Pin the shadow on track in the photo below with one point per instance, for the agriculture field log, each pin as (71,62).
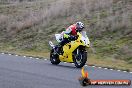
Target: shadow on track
(64,66)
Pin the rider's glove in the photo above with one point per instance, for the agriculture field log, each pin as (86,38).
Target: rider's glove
(66,36)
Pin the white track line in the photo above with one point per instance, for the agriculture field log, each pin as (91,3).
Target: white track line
(93,66)
(9,54)
(105,68)
(24,56)
(111,69)
(2,53)
(16,55)
(72,63)
(31,57)
(37,58)
(130,72)
(85,65)
(99,67)
(124,71)
(45,59)
(118,70)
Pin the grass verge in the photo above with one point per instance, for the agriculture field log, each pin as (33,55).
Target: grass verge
(109,63)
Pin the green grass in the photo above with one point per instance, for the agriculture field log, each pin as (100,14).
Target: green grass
(109,62)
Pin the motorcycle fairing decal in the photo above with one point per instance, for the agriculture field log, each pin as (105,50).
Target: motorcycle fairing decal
(69,46)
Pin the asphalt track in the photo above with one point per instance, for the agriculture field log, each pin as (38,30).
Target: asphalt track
(25,72)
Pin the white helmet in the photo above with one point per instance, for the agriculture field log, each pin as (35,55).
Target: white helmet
(79,26)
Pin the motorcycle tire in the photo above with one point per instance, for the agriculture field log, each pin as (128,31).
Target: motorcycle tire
(54,58)
(83,60)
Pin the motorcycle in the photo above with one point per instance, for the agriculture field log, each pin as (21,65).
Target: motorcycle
(72,52)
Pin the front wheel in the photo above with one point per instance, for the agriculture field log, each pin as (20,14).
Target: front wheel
(80,59)
(54,58)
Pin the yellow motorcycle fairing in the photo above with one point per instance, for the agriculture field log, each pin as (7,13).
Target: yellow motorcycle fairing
(69,48)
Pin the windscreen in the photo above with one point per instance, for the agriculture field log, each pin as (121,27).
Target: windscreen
(84,34)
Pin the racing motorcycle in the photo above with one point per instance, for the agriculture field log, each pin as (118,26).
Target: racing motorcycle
(72,52)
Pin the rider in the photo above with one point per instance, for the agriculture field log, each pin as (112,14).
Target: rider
(70,33)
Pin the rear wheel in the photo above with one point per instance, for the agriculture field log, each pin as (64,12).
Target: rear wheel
(80,58)
(54,58)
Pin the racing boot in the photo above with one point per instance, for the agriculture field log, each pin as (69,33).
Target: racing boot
(58,48)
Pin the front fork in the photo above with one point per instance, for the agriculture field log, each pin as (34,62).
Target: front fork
(77,51)
(78,54)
